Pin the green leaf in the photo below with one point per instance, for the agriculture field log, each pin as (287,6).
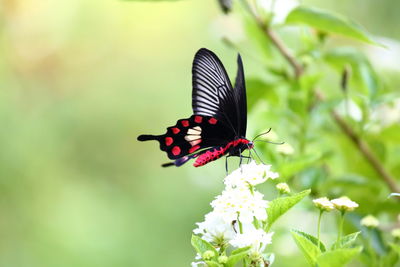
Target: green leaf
(309,249)
(235,258)
(395,247)
(391,258)
(202,246)
(279,206)
(240,250)
(327,21)
(339,257)
(312,238)
(346,241)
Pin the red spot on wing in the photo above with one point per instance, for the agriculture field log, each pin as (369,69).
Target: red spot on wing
(193,149)
(213,121)
(176,150)
(198,119)
(175,130)
(168,141)
(185,123)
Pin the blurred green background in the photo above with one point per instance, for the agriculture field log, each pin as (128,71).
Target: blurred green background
(80,80)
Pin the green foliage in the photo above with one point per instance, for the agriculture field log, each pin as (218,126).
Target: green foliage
(279,206)
(339,255)
(236,256)
(201,246)
(328,22)
(363,75)
(307,245)
(346,241)
(395,247)
(338,258)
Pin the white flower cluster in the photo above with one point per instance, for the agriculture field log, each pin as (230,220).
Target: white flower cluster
(342,204)
(239,213)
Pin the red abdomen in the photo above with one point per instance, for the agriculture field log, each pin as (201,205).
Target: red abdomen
(215,153)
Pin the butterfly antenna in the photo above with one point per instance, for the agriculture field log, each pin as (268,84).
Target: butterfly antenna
(261,134)
(270,142)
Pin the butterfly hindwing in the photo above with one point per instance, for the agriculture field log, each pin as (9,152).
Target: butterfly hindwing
(190,135)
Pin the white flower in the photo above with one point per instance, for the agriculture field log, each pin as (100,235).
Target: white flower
(242,202)
(256,238)
(250,174)
(323,204)
(344,204)
(215,228)
(370,221)
(236,212)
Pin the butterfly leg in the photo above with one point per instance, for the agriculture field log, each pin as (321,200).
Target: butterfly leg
(226,163)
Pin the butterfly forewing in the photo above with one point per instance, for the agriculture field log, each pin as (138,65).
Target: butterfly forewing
(212,90)
(190,135)
(240,96)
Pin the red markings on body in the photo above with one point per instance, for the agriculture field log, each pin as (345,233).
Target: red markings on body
(193,149)
(185,123)
(175,130)
(168,141)
(198,119)
(176,150)
(213,121)
(212,155)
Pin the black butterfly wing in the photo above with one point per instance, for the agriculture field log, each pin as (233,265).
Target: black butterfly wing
(240,95)
(214,96)
(191,135)
(220,114)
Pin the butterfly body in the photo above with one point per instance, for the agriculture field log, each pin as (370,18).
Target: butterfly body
(218,125)
(233,148)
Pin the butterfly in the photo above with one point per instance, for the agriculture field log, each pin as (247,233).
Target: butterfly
(218,124)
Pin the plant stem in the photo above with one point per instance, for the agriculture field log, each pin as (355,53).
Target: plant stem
(319,228)
(340,232)
(298,68)
(363,148)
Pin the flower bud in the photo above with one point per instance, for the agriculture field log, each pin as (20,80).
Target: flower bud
(223,259)
(283,188)
(370,221)
(323,204)
(344,204)
(208,254)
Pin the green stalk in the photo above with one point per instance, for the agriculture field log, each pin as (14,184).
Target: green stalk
(341,225)
(319,228)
